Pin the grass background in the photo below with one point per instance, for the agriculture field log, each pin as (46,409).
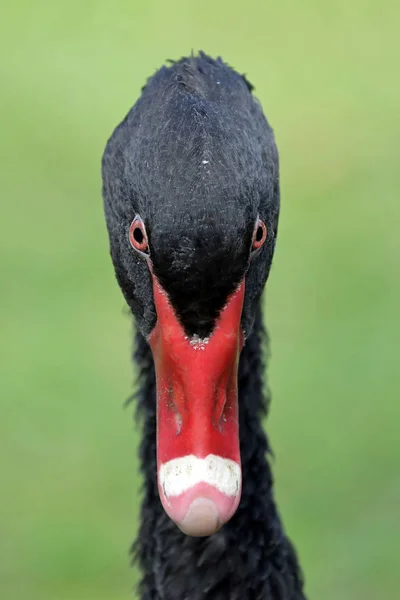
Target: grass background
(327,75)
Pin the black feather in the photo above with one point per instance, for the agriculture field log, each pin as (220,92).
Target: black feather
(196,158)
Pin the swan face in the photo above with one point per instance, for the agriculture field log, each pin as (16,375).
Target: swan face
(191,195)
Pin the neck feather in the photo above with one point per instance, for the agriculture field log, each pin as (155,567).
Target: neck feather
(250,558)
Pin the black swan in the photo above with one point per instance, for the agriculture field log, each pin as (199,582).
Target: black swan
(191,196)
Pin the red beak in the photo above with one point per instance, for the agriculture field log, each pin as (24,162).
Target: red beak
(198,456)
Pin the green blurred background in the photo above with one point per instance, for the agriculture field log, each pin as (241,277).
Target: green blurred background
(328,77)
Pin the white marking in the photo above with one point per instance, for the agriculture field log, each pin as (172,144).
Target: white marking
(197,342)
(205,162)
(180,474)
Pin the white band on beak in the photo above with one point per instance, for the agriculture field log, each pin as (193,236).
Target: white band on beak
(180,474)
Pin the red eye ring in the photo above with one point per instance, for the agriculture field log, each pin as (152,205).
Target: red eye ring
(259,235)
(138,235)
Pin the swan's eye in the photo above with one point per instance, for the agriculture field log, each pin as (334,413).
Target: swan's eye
(259,235)
(138,236)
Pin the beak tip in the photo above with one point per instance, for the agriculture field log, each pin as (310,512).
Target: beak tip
(202,518)
(200,494)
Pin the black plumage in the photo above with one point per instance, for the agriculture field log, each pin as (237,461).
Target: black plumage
(196,158)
